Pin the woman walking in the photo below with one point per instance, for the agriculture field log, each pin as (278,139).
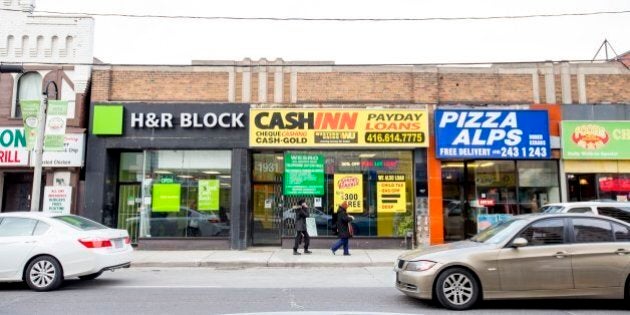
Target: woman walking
(343,221)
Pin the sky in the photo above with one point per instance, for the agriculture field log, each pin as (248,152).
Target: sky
(123,40)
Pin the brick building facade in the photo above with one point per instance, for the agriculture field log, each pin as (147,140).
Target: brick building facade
(52,49)
(313,85)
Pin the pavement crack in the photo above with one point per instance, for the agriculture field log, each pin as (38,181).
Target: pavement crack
(367,253)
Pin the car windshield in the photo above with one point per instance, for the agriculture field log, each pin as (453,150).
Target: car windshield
(80,223)
(551,209)
(499,232)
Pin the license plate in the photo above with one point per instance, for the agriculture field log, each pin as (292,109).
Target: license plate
(118,243)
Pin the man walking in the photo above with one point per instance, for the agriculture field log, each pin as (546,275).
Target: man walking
(301,214)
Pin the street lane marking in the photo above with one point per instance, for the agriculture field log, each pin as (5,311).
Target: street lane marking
(164,286)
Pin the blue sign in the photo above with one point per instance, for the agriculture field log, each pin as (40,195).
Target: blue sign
(492,134)
(485,221)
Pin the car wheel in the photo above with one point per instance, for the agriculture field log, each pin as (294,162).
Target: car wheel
(43,274)
(91,276)
(457,289)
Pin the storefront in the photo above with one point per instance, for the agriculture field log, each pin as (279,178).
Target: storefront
(375,159)
(596,157)
(494,163)
(61,174)
(174,175)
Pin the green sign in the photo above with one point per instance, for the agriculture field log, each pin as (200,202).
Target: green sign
(56,117)
(208,194)
(167,179)
(30,112)
(166,197)
(107,120)
(596,140)
(303,174)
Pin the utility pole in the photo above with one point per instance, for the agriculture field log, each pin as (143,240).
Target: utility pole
(39,147)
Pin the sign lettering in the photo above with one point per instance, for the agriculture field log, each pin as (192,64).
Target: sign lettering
(500,134)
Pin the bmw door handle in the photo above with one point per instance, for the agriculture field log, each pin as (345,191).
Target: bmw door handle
(30,242)
(561,255)
(621,251)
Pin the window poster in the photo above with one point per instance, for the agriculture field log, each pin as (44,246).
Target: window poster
(208,194)
(349,188)
(166,197)
(390,193)
(303,174)
(57,199)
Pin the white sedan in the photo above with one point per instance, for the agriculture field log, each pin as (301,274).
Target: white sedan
(43,249)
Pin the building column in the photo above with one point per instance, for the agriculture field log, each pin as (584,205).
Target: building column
(550,84)
(278,82)
(246,93)
(262,81)
(240,204)
(565,79)
(581,86)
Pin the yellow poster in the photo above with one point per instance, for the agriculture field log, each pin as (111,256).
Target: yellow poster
(349,188)
(391,197)
(338,128)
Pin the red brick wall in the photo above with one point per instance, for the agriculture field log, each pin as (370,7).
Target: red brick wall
(155,84)
(608,88)
(168,86)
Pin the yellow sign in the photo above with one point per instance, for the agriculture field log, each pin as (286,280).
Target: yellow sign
(349,188)
(338,128)
(390,193)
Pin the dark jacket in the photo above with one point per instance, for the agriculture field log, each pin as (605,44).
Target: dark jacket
(300,218)
(342,223)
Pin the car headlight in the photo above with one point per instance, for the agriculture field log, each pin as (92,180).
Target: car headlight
(420,265)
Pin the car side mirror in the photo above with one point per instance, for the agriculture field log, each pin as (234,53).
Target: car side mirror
(519,242)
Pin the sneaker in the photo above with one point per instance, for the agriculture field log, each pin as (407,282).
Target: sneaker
(307,252)
(333,251)
(296,253)
(346,254)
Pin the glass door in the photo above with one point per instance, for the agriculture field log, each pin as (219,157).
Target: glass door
(129,202)
(267,214)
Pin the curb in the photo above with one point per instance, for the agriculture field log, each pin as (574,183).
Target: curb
(210,264)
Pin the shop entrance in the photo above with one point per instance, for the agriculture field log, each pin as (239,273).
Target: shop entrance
(129,203)
(267,214)
(16,192)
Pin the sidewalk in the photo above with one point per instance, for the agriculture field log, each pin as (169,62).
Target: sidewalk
(265,257)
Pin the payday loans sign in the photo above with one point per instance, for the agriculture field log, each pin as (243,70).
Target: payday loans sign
(338,128)
(492,133)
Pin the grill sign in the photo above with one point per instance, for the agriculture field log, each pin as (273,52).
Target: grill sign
(597,140)
(590,137)
(501,134)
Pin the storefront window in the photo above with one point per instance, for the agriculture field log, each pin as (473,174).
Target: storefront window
(176,193)
(538,185)
(495,183)
(602,187)
(383,205)
(614,187)
(488,189)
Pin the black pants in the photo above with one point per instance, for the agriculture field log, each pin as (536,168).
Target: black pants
(298,240)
